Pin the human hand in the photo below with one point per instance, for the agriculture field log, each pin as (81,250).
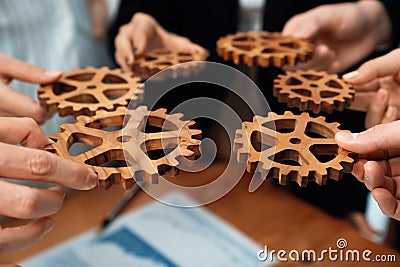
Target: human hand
(343,34)
(144,33)
(377,83)
(378,166)
(377,107)
(14,104)
(28,162)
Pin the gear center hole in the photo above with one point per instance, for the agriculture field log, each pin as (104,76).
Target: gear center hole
(295,140)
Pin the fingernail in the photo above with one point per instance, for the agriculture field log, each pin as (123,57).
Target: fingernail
(390,112)
(347,136)
(91,180)
(49,226)
(51,141)
(350,75)
(53,73)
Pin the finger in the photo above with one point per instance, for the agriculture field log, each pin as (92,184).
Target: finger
(25,131)
(373,85)
(322,59)
(302,26)
(33,164)
(24,107)
(391,114)
(377,108)
(375,177)
(387,202)
(386,65)
(23,202)
(358,170)
(362,100)
(17,238)
(377,138)
(124,46)
(199,49)
(20,70)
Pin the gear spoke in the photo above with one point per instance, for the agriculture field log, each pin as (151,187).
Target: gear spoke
(297,157)
(318,92)
(159,59)
(107,158)
(92,92)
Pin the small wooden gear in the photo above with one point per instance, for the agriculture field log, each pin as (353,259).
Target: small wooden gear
(313,90)
(84,91)
(104,142)
(263,49)
(292,148)
(160,59)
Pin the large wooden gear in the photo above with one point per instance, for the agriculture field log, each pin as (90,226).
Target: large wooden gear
(160,59)
(301,148)
(313,90)
(263,49)
(107,135)
(84,91)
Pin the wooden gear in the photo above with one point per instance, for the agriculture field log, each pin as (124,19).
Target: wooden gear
(84,91)
(301,148)
(157,60)
(313,90)
(105,135)
(263,48)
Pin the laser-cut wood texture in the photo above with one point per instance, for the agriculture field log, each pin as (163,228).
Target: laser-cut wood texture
(263,49)
(107,141)
(157,60)
(313,90)
(292,148)
(84,91)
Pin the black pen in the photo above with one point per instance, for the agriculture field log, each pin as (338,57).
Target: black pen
(120,206)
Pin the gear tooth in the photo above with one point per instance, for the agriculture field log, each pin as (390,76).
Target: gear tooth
(230,52)
(303,101)
(315,171)
(66,107)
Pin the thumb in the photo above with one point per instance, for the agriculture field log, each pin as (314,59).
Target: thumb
(377,138)
(16,69)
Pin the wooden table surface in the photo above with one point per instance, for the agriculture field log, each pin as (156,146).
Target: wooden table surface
(270,216)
